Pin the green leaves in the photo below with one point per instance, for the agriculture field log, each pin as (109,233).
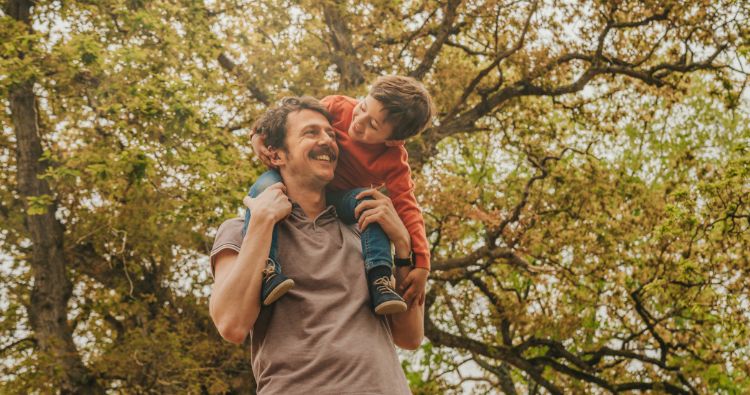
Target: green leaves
(615,215)
(39,204)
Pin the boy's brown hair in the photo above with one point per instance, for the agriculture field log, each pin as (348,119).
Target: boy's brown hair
(407,102)
(272,125)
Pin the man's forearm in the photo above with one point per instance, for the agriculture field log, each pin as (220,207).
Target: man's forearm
(407,327)
(235,299)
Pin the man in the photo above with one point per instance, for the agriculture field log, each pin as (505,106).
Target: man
(322,337)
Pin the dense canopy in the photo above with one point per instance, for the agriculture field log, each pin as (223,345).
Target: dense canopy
(585,184)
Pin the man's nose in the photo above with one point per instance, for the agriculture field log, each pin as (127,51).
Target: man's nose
(327,139)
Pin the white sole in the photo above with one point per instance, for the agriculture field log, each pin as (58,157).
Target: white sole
(390,307)
(279,291)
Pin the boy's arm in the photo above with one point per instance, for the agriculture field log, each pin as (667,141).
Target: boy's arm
(235,296)
(401,191)
(414,285)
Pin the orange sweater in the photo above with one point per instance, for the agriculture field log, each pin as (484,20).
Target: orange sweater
(364,165)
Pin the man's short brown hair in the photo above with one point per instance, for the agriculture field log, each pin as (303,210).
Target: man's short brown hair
(272,125)
(407,102)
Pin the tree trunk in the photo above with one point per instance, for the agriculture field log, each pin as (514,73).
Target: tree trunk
(51,290)
(344,55)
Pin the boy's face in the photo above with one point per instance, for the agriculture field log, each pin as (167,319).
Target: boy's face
(368,122)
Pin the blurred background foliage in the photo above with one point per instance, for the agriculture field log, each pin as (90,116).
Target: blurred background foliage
(586,185)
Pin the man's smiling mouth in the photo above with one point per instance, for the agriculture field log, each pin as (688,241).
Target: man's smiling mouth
(325,155)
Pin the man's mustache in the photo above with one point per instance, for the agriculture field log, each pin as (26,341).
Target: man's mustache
(325,150)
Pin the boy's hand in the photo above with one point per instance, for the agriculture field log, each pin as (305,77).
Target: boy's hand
(272,203)
(258,142)
(413,286)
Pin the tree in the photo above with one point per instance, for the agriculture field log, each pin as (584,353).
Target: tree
(133,151)
(585,184)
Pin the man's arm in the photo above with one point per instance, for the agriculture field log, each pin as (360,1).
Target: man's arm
(408,327)
(235,298)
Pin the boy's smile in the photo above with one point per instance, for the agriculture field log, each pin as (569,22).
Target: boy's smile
(368,122)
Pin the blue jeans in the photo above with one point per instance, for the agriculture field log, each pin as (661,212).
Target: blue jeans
(376,247)
(264,181)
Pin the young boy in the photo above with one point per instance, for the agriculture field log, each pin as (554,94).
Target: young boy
(370,134)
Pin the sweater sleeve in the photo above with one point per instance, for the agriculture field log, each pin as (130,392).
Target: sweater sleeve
(328,101)
(401,191)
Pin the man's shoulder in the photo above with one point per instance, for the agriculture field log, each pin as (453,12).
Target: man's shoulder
(231,224)
(229,235)
(353,228)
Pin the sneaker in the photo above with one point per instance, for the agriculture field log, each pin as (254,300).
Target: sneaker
(384,298)
(274,285)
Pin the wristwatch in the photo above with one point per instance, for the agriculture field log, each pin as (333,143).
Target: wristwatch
(404,262)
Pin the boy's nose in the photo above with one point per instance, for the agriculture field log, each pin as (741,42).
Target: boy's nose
(358,124)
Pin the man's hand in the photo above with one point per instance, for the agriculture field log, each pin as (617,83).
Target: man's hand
(412,287)
(258,142)
(272,203)
(381,210)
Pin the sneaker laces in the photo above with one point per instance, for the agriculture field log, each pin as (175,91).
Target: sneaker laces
(269,271)
(384,285)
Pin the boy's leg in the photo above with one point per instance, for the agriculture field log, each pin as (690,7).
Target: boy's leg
(275,284)
(376,249)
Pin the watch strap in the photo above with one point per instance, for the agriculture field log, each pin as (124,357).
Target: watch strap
(404,262)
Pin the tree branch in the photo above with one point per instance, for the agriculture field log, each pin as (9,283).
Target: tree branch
(345,57)
(598,64)
(249,81)
(498,58)
(497,352)
(445,31)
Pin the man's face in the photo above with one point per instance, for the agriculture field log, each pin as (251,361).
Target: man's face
(368,122)
(311,149)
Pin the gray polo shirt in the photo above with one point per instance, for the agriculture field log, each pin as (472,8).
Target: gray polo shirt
(321,337)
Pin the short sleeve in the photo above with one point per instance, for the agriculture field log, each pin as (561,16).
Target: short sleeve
(229,236)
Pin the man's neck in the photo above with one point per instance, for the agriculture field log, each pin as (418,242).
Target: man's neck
(312,199)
